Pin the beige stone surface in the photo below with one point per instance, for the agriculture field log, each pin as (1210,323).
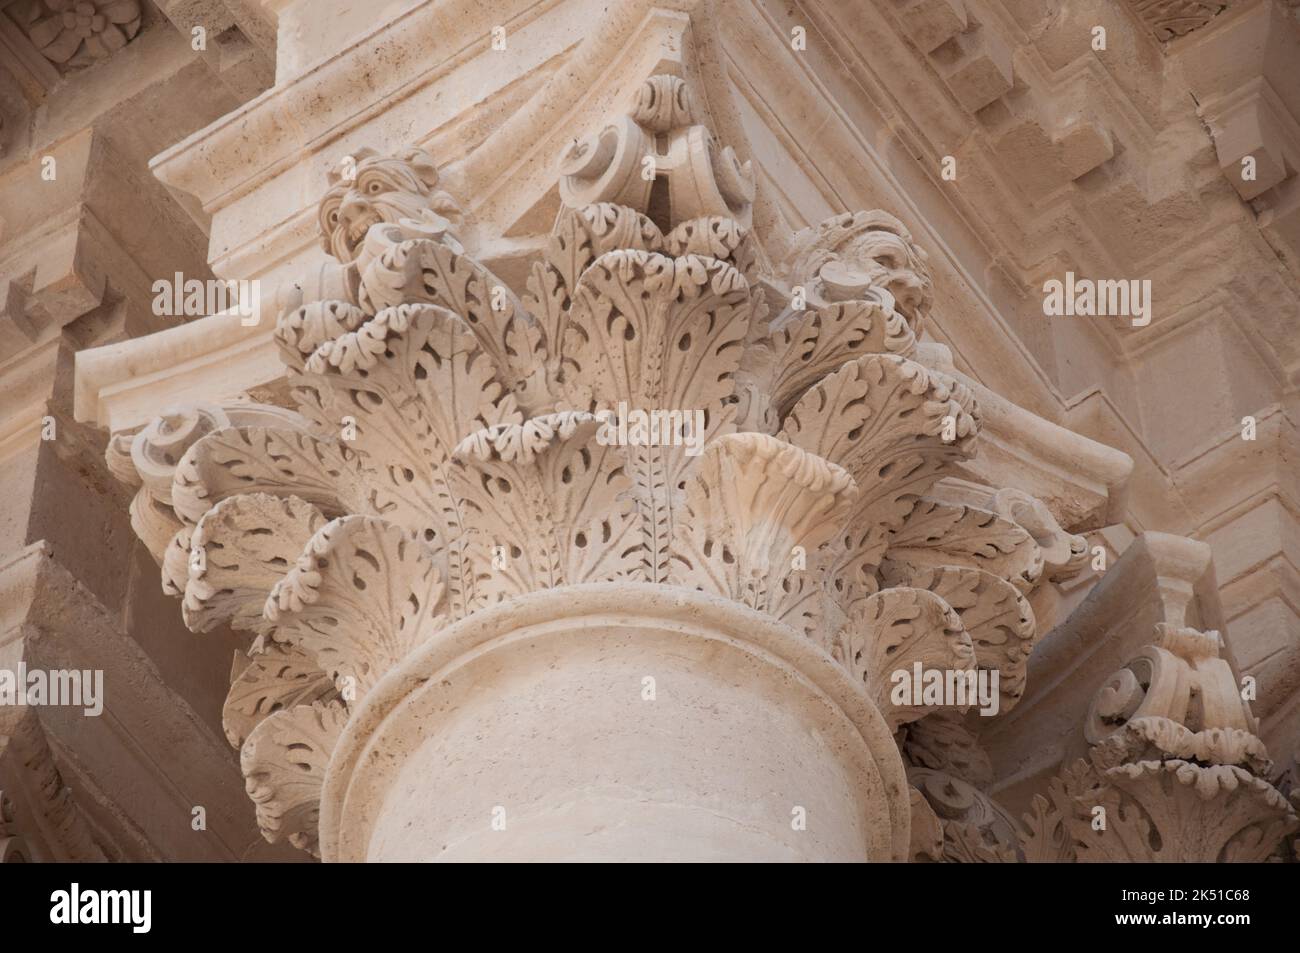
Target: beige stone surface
(747,726)
(472,614)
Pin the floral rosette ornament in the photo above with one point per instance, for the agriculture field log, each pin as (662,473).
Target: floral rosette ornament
(75,33)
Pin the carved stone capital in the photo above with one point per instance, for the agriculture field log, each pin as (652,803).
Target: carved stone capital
(658,448)
(1175,773)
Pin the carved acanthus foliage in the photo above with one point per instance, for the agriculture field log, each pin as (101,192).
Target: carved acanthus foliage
(657,334)
(284,761)
(940,534)
(276,676)
(237,552)
(997,617)
(814,342)
(579,237)
(242,460)
(943,741)
(1176,772)
(894,426)
(758,512)
(975,830)
(553,475)
(147,460)
(635,414)
(898,629)
(1172,811)
(363,593)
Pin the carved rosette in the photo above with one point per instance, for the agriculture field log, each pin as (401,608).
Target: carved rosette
(454,448)
(76,33)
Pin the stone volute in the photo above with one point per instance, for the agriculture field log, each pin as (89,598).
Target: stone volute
(615,566)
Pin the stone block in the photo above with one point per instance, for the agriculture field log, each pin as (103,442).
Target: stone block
(1084,146)
(930,23)
(976,67)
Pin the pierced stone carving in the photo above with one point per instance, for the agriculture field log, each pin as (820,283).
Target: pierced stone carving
(553,475)
(650,332)
(939,534)
(279,676)
(238,551)
(899,628)
(883,418)
(362,594)
(459,449)
(1177,811)
(997,617)
(148,458)
(758,510)
(815,342)
(284,761)
(579,237)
